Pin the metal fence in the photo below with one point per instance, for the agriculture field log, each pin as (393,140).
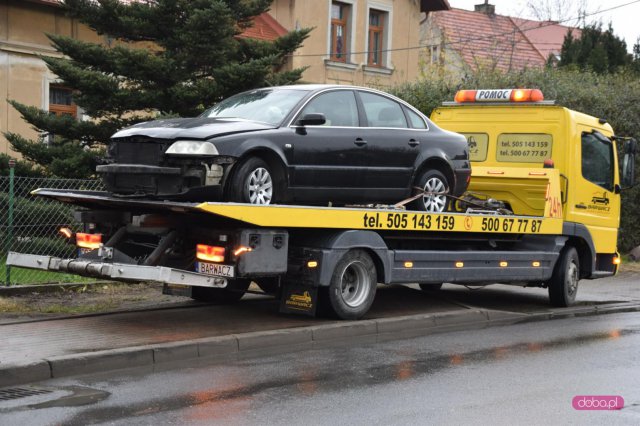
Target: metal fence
(30,224)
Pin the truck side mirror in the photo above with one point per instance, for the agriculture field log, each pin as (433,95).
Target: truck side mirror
(629,163)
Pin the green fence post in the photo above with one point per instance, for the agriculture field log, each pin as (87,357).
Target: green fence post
(12,165)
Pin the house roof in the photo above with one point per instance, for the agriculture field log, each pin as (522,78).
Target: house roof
(545,36)
(495,40)
(265,27)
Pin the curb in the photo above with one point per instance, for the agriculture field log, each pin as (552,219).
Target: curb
(265,343)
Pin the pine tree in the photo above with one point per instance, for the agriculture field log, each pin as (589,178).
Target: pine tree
(168,57)
(596,50)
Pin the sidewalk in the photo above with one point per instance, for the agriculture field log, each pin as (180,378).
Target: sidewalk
(34,351)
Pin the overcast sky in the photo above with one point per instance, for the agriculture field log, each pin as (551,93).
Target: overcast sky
(625,19)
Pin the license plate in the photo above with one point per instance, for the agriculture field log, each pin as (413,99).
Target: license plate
(215,269)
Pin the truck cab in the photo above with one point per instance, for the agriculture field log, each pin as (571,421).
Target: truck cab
(518,129)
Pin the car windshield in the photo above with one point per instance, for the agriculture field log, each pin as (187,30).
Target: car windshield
(265,105)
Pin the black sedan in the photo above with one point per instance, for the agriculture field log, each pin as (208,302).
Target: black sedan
(310,144)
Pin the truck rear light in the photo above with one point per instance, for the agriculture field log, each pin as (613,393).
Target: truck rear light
(210,253)
(241,250)
(88,241)
(66,232)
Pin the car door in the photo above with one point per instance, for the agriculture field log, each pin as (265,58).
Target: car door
(392,144)
(326,161)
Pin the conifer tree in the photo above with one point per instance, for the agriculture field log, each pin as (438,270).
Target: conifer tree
(168,57)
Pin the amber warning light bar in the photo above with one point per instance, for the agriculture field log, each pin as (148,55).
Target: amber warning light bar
(499,95)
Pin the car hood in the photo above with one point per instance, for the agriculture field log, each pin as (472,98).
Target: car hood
(192,128)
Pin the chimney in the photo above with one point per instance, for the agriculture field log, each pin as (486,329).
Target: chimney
(486,8)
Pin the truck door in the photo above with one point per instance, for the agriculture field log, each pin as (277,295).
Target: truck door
(596,198)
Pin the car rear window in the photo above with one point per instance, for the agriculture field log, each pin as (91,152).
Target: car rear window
(382,112)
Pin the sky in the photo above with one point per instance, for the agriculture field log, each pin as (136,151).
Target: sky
(624,19)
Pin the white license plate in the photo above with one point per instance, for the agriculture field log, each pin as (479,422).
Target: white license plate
(215,269)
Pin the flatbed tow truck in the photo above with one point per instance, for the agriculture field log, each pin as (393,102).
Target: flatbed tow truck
(332,258)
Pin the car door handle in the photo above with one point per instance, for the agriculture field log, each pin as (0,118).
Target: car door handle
(413,142)
(360,142)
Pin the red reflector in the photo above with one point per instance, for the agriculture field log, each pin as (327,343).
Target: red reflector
(90,241)
(548,163)
(210,253)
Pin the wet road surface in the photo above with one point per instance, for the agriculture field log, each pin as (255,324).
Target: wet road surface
(519,374)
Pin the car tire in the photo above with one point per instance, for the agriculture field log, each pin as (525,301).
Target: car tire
(233,292)
(253,183)
(432,181)
(352,288)
(429,288)
(563,286)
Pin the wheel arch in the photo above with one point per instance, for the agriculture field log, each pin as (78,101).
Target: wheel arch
(580,239)
(440,164)
(274,160)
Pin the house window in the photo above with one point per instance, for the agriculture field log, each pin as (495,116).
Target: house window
(339,31)
(61,101)
(434,55)
(376,38)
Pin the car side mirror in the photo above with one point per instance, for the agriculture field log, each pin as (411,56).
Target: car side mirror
(629,163)
(312,119)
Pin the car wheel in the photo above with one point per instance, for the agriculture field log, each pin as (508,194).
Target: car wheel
(353,286)
(435,184)
(233,292)
(253,183)
(563,286)
(428,288)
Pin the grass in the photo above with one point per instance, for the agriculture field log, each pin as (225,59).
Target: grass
(22,276)
(11,306)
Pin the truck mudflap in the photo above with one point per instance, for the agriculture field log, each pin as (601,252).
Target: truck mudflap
(115,271)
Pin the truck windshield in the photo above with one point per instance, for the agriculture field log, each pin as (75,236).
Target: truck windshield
(264,105)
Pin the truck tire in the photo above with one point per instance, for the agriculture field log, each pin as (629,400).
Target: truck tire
(232,293)
(427,288)
(253,183)
(353,286)
(432,181)
(563,285)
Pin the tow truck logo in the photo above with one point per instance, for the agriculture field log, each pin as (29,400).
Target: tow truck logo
(600,202)
(299,301)
(473,145)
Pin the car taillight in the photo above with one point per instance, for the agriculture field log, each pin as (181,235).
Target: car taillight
(210,253)
(88,241)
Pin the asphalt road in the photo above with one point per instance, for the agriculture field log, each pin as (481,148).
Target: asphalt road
(520,374)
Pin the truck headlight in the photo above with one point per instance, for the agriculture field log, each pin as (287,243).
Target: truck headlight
(192,148)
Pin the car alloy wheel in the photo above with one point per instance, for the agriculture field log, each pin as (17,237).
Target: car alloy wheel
(432,201)
(260,186)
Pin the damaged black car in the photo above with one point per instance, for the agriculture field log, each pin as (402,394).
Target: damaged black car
(305,144)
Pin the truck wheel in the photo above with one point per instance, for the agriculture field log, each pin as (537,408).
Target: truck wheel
(233,292)
(253,183)
(563,286)
(432,181)
(353,286)
(427,288)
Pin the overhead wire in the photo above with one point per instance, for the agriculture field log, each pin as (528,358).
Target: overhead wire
(543,24)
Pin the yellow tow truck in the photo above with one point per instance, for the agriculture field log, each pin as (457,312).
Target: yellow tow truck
(542,210)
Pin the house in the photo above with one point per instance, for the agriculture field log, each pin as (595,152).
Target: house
(353,42)
(361,42)
(457,41)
